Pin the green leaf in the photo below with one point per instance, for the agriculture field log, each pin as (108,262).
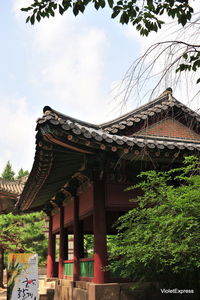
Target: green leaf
(138,27)
(51,12)
(115,14)
(183,20)
(102,3)
(27,19)
(198,80)
(81,6)
(38,17)
(32,19)
(111,2)
(124,18)
(75,9)
(185,55)
(61,9)
(96,5)
(26,9)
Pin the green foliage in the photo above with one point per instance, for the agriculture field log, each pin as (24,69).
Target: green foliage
(22,173)
(24,232)
(8,173)
(146,16)
(160,239)
(89,245)
(191,62)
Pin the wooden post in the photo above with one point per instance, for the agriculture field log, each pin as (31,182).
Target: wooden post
(99,227)
(1,266)
(51,251)
(61,244)
(81,240)
(76,273)
(65,255)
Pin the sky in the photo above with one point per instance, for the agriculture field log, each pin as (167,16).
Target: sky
(69,63)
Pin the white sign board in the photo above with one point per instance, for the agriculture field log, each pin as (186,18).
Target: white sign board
(22,276)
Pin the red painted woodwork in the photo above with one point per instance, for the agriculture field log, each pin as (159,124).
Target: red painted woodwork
(65,241)
(86,203)
(87,259)
(61,244)
(88,224)
(69,207)
(81,240)
(56,222)
(76,239)
(99,225)
(68,216)
(51,251)
(117,197)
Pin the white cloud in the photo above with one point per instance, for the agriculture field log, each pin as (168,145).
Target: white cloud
(69,63)
(71,58)
(17,133)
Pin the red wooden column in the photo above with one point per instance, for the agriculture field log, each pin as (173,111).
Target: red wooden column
(65,256)
(81,240)
(99,227)
(76,230)
(61,244)
(51,251)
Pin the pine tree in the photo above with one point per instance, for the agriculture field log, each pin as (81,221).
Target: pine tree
(23,233)
(8,173)
(22,173)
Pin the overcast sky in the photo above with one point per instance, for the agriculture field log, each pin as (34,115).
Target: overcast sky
(68,63)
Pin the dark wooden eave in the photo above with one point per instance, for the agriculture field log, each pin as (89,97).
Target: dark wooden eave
(53,167)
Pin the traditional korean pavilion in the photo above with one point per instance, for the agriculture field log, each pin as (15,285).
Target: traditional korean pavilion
(80,172)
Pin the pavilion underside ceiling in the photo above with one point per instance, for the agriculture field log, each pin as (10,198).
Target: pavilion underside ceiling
(51,171)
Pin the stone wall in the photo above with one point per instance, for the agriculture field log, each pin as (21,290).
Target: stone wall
(80,290)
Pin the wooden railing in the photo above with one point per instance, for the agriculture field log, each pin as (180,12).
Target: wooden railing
(86,267)
(68,267)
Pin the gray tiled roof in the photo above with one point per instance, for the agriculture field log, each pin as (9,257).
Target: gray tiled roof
(117,140)
(12,187)
(108,132)
(150,109)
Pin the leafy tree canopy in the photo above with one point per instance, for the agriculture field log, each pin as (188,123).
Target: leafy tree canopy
(146,15)
(159,240)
